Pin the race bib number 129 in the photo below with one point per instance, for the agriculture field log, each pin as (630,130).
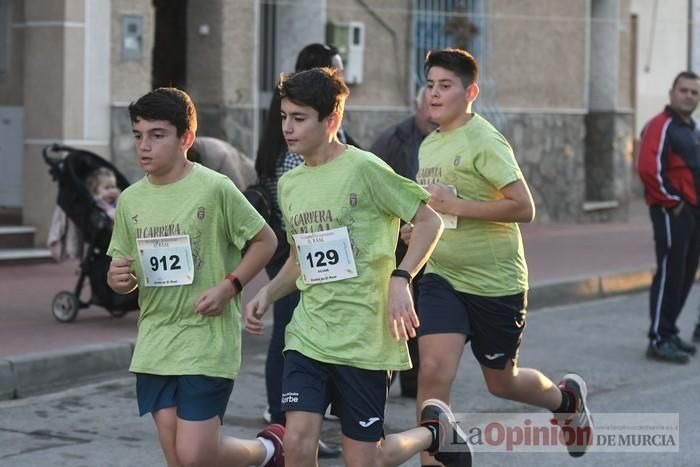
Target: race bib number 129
(325,256)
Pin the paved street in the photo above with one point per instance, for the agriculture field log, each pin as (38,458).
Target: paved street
(97,425)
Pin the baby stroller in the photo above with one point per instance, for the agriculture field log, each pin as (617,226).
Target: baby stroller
(70,168)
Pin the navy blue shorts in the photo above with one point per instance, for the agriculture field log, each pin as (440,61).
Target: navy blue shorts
(196,397)
(494,325)
(358,396)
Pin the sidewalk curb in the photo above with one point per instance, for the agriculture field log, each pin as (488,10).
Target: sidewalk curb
(553,293)
(26,374)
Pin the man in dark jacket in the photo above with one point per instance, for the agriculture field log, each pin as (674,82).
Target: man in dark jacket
(398,145)
(669,166)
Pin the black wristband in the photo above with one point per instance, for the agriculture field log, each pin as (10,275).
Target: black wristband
(402,273)
(236,283)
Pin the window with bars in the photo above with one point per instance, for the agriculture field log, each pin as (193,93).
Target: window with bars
(438,24)
(456,23)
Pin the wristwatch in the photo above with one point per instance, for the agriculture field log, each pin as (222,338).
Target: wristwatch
(402,273)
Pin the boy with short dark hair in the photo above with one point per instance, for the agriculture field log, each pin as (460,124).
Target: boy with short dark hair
(475,283)
(342,209)
(178,236)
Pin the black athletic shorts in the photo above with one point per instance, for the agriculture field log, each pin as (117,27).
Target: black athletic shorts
(358,396)
(494,325)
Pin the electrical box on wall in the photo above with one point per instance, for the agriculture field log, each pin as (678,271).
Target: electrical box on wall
(349,39)
(132,37)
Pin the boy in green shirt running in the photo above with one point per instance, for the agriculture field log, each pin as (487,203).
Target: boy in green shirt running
(475,283)
(342,209)
(178,236)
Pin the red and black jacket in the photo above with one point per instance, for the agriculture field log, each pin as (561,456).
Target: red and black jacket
(669,160)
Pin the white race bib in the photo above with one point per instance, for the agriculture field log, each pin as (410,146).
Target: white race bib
(325,256)
(166,261)
(449,220)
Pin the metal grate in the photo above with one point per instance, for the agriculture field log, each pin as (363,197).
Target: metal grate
(432,20)
(429,20)
(430,25)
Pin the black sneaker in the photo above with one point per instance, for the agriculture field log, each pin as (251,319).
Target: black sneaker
(696,333)
(685,346)
(580,422)
(665,351)
(434,410)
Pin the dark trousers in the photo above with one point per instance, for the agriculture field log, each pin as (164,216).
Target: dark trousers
(677,245)
(274,365)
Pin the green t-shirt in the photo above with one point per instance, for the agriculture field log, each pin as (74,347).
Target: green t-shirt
(173,339)
(479,257)
(345,322)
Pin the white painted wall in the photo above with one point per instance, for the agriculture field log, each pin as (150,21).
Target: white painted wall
(604,64)
(662,52)
(97,99)
(11,149)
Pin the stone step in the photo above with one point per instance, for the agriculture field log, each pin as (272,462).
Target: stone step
(16,236)
(24,255)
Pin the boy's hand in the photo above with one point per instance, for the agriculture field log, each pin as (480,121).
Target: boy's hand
(403,319)
(441,198)
(119,276)
(254,311)
(405,233)
(213,301)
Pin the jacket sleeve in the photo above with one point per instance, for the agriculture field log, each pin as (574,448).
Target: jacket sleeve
(388,147)
(651,163)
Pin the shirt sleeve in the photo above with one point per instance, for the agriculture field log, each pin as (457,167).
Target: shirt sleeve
(496,163)
(280,199)
(394,194)
(121,244)
(243,222)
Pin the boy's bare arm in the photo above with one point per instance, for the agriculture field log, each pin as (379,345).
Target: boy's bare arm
(516,205)
(425,233)
(426,230)
(285,281)
(282,284)
(260,249)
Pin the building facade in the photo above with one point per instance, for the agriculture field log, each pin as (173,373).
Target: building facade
(567,82)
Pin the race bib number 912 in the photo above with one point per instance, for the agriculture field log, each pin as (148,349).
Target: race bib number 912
(166,261)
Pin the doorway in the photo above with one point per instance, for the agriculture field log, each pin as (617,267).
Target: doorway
(169,64)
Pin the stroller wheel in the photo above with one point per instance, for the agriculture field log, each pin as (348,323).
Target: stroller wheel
(118,313)
(65,307)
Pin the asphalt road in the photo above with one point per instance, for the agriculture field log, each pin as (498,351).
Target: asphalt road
(97,425)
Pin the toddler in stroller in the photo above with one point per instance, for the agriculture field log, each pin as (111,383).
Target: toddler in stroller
(88,186)
(102,184)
